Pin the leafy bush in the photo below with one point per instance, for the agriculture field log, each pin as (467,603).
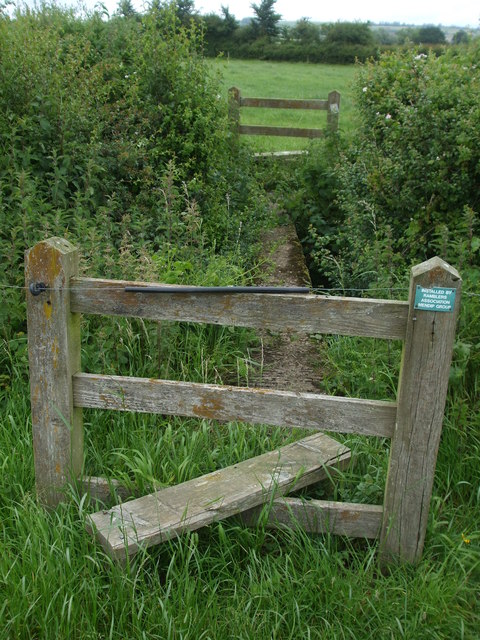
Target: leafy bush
(407,186)
(113,134)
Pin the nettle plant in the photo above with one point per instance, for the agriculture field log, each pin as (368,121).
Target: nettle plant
(113,133)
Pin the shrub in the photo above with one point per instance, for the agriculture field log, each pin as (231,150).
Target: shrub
(411,175)
(113,133)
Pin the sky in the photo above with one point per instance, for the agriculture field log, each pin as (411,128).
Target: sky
(462,13)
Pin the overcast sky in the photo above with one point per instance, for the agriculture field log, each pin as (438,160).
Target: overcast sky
(459,12)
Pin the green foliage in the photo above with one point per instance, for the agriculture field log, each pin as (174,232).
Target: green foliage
(348,33)
(407,187)
(114,134)
(265,24)
(429,34)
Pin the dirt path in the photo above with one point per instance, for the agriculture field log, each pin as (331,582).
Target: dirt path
(290,360)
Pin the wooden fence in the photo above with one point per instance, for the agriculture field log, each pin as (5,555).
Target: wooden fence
(57,296)
(331,106)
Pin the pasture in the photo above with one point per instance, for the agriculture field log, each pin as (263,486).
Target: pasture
(266,79)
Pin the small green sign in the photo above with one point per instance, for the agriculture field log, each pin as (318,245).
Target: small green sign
(435,299)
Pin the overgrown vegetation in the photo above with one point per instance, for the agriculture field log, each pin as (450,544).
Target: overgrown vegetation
(115,135)
(112,134)
(403,189)
(265,37)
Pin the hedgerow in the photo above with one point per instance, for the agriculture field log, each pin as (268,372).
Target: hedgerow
(113,134)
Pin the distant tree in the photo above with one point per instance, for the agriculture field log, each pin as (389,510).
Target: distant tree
(219,32)
(125,8)
(265,24)
(305,31)
(429,34)
(230,23)
(185,10)
(358,33)
(384,36)
(405,34)
(460,37)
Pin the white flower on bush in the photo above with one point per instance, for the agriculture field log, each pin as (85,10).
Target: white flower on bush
(388,117)
(365,89)
(420,56)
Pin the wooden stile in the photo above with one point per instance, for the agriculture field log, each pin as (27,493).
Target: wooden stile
(56,297)
(237,101)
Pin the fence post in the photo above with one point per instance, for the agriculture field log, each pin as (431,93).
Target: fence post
(422,394)
(333,110)
(54,356)
(234,99)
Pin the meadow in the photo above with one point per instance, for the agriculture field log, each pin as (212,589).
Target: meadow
(264,79)
(95,148)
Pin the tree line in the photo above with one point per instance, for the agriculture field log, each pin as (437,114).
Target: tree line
(265,37)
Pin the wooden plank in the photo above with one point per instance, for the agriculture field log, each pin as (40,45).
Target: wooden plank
(281,154)
(196,503)
(282,312)
(321,516)
(421,401)
(225,403)
(54,356)
(284,103)
(288,132)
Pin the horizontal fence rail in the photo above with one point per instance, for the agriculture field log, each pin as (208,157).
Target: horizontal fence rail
(225,403)
(285,132)
(284,103)
(321,516)
(298,313)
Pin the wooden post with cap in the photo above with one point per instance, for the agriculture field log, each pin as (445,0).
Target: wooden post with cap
(421,401)
(54,356)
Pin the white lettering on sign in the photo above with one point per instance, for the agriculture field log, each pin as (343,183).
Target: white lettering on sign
(435,299)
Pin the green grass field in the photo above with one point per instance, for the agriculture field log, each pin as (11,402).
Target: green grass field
(256,78)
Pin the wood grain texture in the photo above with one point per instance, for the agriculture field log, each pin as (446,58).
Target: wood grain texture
(287,132)
(320,516)
(254,406)
(284,103)
(421,402)
(282,312)
(167,513)
(54,356)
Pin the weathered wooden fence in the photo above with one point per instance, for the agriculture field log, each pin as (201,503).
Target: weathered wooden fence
(331,105)
(56,297)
